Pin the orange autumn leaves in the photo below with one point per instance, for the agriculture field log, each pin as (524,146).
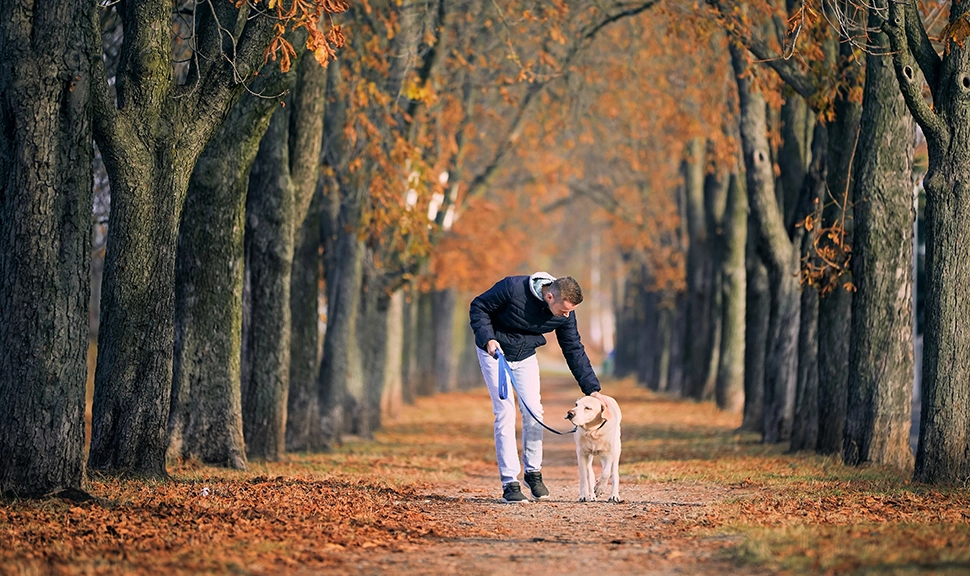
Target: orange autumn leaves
(295,14)
(213,525)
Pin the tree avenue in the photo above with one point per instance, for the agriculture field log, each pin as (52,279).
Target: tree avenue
(300,204)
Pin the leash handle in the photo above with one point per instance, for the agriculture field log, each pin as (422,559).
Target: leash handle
(504,377)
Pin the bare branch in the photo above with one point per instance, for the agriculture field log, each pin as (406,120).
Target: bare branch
(907,70)
(923,51)
(784,67)
(479,184)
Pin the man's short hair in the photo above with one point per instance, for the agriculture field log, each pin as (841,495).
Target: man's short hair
(567,289)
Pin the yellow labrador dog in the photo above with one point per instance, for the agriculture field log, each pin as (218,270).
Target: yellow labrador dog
(597,420)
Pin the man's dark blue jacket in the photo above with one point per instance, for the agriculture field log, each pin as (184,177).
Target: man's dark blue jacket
(511,314)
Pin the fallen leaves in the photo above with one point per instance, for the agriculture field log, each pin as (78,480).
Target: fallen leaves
(174,528)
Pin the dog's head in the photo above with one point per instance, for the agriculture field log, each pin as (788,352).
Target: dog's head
(588,410)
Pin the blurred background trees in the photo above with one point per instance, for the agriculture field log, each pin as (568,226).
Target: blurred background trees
(298,200)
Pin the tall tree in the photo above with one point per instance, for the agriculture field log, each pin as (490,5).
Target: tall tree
(780,254)
(944,426)
(729,386)
(281,187)
(880,401)
(205,421)
(45,225)
(150,138)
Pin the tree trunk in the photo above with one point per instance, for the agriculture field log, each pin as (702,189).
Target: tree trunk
(942,455)
(133,379)
(880,377)
(627,335)
(303,409)
(756,312)
(780,254)
(729,387)
(372,338)
(424,345)
(699,272)
(835,308)
(469,371)
(644,333)
(269,247)
(341,387)
(150,140)
(666,317)
(205,419)
(797,126)
(281,187)
(835,317)
(675,348)
(46,179)
(443,328)
(409,364)
(781,362)
(805,424)
(392,399)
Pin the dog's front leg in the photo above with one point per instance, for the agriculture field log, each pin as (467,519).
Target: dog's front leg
(615,492)
(606,462)
(584,462)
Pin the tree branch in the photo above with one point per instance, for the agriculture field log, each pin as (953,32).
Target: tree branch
(910,83)
(785,69)
(479,184)
(110,126)
(923,51)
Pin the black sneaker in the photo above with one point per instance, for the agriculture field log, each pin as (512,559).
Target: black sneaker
(512,494)
(534,481)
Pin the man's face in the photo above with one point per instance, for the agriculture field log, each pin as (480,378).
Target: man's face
(558,306)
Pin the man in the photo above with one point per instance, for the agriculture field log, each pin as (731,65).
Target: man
(512,317)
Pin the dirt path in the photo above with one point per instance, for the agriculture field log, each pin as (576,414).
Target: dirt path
(472,532)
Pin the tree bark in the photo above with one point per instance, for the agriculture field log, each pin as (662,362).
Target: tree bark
(729,387)
(756,313)
(269,248)
(150,141)
(205,419)
(805,424)
(341,384)
(644,334)
(443,329)
(699,272)
(780,254)
(424,345)
(409,364)
(880,375)
(392,398)
(942,455)
(46,180)
(797,126)
(835,307)
(675,347)
(303,409)
(373,341)
(281,187)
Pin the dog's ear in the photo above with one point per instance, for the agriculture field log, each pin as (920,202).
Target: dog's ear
(607,415)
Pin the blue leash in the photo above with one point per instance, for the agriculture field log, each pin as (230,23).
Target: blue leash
(504,376)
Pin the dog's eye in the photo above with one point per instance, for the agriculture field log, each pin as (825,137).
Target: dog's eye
(588,408)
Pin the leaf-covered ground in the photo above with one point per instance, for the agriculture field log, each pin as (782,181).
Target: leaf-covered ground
(422,498)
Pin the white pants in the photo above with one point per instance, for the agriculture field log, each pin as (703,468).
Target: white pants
(526,373)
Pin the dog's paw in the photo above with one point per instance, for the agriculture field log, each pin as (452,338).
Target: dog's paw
(614,500)
(587,498)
